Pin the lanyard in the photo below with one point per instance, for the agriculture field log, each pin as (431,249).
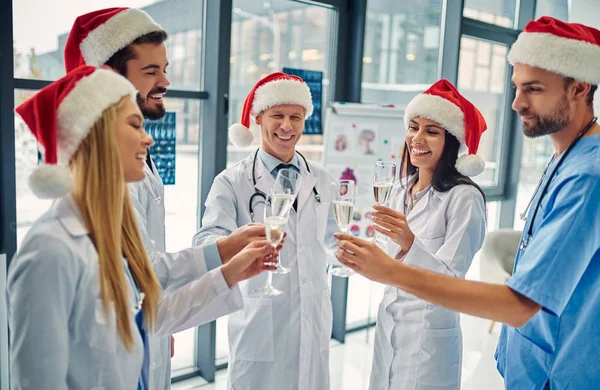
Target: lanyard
(529,233)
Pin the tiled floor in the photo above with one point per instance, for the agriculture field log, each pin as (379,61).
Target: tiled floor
(350,363)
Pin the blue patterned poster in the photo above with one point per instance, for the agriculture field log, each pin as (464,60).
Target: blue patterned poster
(314,80)
(164,133)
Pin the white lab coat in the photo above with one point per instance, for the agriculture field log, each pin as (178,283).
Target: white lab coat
(418,345)
(179,269)
(60,337)
(281,342)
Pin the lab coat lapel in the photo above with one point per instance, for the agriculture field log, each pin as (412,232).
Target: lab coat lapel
(420,207)
(264,180)
(306,187)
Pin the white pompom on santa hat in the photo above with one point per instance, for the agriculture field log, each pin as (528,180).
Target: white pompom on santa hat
(443,104)
(61,115)
(569,49)
(273,90)
(96,36)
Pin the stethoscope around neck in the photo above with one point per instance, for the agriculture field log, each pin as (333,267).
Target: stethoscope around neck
(527,237)
(260,194)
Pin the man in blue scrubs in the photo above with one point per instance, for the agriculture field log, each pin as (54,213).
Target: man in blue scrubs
(551,305)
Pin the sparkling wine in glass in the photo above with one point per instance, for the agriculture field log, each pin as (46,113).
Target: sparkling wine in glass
(384,177)
(344,195)
(274,232)
(286,187)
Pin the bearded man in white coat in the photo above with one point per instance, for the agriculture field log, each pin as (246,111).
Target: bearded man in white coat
(281,342)
(129,42)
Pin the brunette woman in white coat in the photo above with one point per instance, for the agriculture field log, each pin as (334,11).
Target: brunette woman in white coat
(436,220)
(81,291)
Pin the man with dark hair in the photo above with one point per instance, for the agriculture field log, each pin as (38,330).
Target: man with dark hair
(131,43)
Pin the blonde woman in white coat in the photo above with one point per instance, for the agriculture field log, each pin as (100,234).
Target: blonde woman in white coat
(435,220)
(81,291)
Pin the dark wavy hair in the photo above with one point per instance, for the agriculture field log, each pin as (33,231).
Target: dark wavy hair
(119,60)
(445,177)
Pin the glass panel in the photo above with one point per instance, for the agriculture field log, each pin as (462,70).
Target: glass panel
(401,50)
(40,56)
(181,203)
(222,345)
(500,12)
(276,32)
(537,152)
(29,207)
(364,297)
(185,350)
(482,79)
(558,9)
(265,37)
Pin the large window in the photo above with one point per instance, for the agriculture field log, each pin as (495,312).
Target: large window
(38,54)
(29,207)
(482,80)
(498,12)
(266,37)
(401,49)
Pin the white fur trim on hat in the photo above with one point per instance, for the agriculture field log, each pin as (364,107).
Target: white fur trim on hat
(114,34)
(470,165)
(239,135)
(568,57)
(279,92)
(84,105)
(50,181)
(439,110)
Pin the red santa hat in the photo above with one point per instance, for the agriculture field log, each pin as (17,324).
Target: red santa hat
(96,36)
(61,115)
(568,49)
(443,104)
(275,89)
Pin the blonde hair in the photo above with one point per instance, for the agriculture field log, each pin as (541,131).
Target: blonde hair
(100,191)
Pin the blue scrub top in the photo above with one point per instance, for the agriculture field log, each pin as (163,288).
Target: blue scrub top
(560,270)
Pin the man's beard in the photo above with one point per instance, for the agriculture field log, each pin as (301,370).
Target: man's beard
(548,124)
(151,112)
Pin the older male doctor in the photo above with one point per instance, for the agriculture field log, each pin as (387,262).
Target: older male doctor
(280,342)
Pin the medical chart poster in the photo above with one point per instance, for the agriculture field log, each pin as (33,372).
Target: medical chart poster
(356,136)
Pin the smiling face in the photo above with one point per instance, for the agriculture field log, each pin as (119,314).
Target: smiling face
(425,140)
(281,128)
(133,141)
(147,71)
(541,100)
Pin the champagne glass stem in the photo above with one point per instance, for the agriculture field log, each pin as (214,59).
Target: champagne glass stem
(269,280)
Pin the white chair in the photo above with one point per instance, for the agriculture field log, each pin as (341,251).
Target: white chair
(498,257)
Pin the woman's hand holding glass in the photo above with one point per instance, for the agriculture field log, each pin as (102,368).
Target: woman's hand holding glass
(393,224)
(255,258)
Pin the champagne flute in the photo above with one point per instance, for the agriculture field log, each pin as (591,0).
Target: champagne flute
(277,209)
(383,181)
(344,194)
(286,187)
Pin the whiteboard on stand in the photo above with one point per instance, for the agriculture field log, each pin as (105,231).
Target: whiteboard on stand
(356,136)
